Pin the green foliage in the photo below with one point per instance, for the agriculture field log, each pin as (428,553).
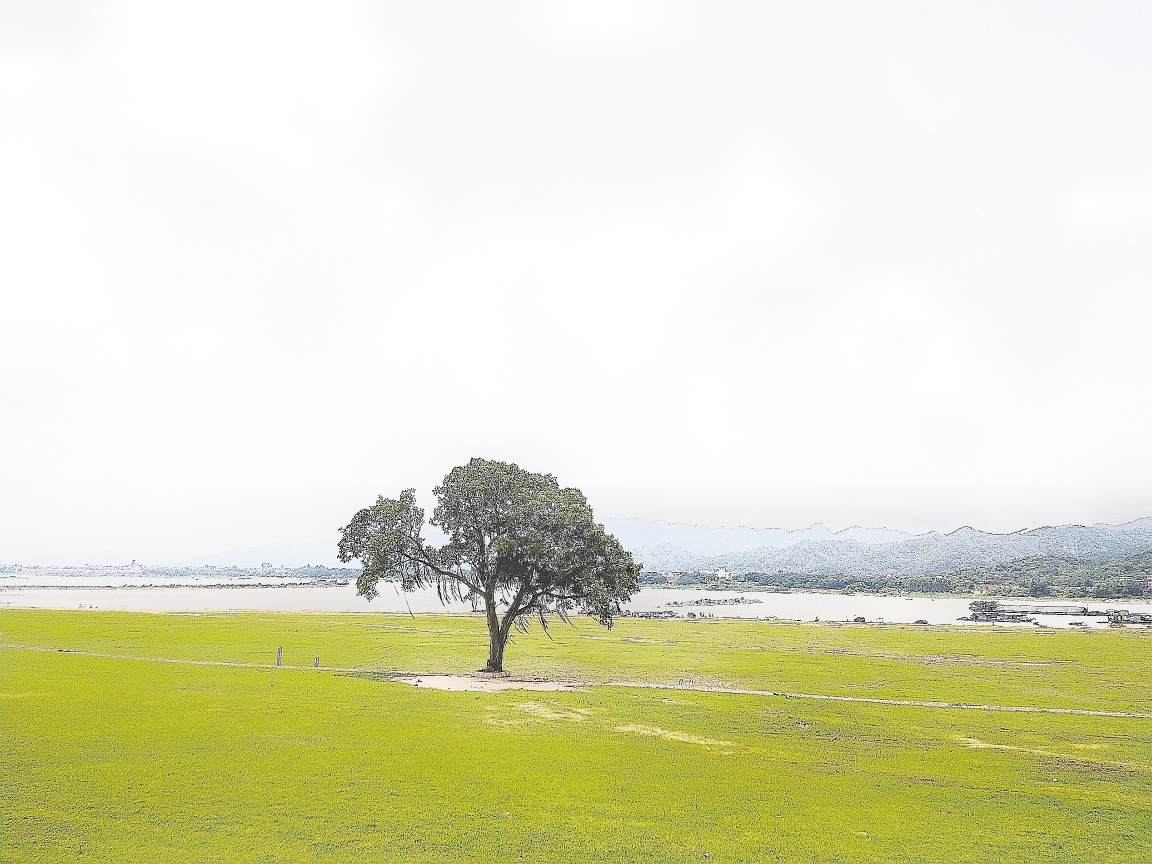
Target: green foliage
(1043,576)
(124,760)
(517,543)
(1037,576)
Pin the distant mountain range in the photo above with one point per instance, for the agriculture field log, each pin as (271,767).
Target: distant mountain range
(699,540)
(664,547)
(1096,561)
(869,552)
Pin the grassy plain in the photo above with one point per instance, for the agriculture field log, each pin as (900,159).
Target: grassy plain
(125,758)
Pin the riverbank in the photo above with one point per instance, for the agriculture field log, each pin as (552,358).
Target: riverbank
(271,595)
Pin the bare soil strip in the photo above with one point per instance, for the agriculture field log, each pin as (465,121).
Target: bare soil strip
(233,663)
(482,683)
(913,703)
(486,683)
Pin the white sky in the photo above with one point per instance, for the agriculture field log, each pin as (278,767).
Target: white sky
(764,264)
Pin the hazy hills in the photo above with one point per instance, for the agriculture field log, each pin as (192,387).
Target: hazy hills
(664,547)
(1097,561)
(860,552)
(637,534)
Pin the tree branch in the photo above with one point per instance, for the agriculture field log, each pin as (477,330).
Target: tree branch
(446,574)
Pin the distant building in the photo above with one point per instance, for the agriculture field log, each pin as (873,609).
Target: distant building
(674,577)
(723,575)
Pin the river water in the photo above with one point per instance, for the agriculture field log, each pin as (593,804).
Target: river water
(273,594)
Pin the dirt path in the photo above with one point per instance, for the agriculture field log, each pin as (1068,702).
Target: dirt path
(912,703)
(478,683)
(179,660)
(484,683)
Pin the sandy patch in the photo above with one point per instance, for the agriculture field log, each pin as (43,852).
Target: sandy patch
(481,683)
(669,735)
(977,744)
(553,712)
(499,715)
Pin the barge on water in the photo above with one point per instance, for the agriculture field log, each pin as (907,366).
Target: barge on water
(1022,612)
(1000,610)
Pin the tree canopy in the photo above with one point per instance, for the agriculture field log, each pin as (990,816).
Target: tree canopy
(519,546)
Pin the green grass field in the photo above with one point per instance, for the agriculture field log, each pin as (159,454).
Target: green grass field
(122,758)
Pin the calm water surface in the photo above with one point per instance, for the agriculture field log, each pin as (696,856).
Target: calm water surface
(272,594)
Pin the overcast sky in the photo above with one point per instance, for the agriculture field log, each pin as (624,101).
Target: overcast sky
(727,264)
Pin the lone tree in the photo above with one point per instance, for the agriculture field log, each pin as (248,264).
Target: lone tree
(518,545)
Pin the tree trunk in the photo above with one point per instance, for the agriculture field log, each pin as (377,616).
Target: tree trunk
(496,637)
